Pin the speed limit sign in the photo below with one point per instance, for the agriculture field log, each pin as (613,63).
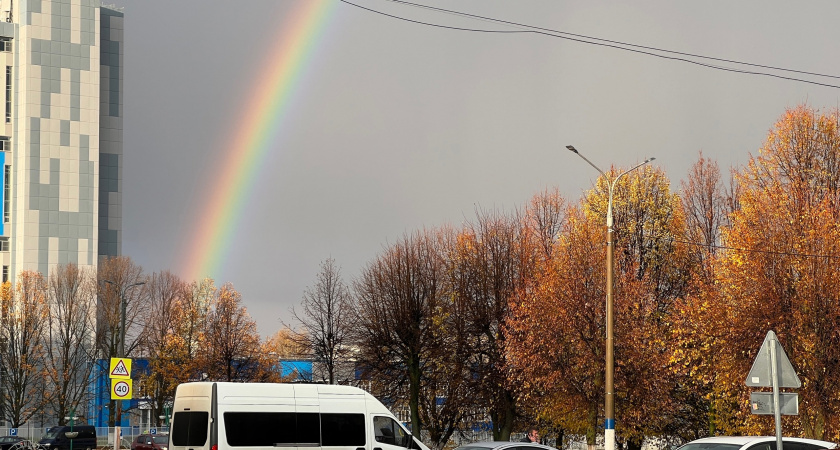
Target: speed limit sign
(120,389)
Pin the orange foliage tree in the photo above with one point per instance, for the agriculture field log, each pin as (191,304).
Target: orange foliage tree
(232,350)
(168,365)
(780,272)
(557,331)
(22,324)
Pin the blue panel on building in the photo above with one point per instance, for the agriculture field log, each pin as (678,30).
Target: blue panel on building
(303,369)
(3,189)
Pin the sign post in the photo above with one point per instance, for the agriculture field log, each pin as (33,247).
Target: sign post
(772,368)
(119,371)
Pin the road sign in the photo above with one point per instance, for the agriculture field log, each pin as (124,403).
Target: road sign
(153,431)
(12,431)
(761,403)
(120,368)
(761,372)
(120,389)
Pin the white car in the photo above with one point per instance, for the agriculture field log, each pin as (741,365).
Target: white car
(756,443)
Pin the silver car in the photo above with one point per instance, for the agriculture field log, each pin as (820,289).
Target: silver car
(504,445)
(756,443)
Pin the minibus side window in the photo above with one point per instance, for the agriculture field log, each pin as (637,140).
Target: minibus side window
(189,428)
(268,429)
(342,429)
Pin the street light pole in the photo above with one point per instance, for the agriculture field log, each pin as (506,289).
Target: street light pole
(609,389)
(123,304)
(72,419)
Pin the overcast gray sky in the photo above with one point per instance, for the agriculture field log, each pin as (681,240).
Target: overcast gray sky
(397,126)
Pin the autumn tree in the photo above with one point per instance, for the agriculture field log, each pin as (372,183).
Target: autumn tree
(326,320)
(704,203)
(398,295)
(545,216)
(652,268)
(447,372)
(493,265)
(190,328)
(695,333)
(779,271)
(284,344)
(121,301)
(161,344)
(557,330)
(69,335)
(22,324)
(555,342)
(231,350)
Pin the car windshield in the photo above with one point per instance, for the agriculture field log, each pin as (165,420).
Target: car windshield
(161,439)
(709,446)
(473,447)
(52,433)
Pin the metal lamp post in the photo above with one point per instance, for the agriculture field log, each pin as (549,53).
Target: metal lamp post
(123,302)
(72,418)
(609,390)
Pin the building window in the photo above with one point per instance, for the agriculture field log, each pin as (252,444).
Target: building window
(8,94)
(7,194)
(5,144)
(5,273)
(4,245)
(5,44)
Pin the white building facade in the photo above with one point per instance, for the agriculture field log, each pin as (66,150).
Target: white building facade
(61,136)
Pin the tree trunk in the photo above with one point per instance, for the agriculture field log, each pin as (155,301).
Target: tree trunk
(414,394)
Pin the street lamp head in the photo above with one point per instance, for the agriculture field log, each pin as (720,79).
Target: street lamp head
(572,148)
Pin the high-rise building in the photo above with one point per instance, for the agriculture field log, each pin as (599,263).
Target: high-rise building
(61,136)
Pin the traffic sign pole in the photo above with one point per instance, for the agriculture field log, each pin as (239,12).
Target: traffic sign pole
(774,375)
(772,368)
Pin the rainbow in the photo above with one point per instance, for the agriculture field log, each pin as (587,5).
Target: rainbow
(251,142)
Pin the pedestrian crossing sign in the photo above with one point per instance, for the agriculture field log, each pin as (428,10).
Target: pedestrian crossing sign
(120,368)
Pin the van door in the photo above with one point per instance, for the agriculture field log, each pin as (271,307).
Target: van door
(191,421)
(343,419)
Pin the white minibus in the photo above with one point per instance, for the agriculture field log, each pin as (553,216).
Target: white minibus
(256,416)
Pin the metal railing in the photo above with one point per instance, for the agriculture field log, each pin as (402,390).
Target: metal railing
(104,435)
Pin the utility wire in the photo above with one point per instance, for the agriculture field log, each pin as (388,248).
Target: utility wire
(604,43)
(583,36)
(751,250)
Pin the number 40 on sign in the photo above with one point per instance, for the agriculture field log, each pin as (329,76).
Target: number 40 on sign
(120,389)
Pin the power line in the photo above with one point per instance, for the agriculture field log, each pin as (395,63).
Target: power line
(649,51)
(583,36)
(753,250)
